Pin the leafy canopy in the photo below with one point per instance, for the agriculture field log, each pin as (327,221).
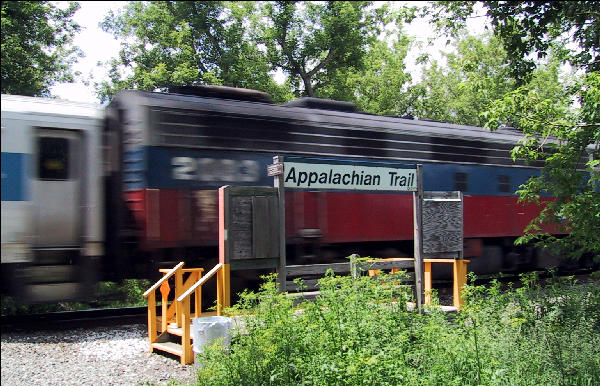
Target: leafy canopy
(37,49)
(560,123)
(312,42)
(244,44)
(181,43)
(533,27)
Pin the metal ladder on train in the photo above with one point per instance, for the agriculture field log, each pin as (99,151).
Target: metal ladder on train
(169,331)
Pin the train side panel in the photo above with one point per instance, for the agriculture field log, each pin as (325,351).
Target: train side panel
(16,230)
(178,149)
(52,207)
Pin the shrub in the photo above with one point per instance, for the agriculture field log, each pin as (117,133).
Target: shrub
(360,332)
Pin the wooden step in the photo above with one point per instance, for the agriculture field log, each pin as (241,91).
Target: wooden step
(178,331)
(170,347)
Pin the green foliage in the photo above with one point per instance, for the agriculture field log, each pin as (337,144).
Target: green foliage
(564,139)
(567,141)
(381,87)
(475,75)
(316,45)
(533,27)
(312,42)
(37,46)
(359,332)
(186,43)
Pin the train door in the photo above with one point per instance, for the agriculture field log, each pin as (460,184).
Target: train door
(56,190)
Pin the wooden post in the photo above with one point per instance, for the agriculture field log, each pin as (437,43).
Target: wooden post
(220,292)
(418,237)
(152,335)
(354,268)
(460,279)
(278,183)
(226,285)
(428,282)
(198,296)
(187,354)
(165,289)
(178,291)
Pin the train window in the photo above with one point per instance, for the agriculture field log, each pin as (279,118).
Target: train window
(504,183)
(460,181)
(53,158)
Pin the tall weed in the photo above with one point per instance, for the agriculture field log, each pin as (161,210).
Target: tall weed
(360,332)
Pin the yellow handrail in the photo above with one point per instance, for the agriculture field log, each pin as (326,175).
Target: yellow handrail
(182,304)
(162,280)
(184,301)
(197,284)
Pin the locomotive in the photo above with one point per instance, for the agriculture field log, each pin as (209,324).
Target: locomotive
(94,192)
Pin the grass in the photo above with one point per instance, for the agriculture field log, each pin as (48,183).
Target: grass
(359,332)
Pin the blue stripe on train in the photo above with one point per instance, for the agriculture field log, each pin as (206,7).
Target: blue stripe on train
(180,168)
(14,167)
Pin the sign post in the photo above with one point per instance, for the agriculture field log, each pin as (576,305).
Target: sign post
(314,174)
(276,170)
(418,237)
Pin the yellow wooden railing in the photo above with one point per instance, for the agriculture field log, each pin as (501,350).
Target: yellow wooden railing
(169,310)
(176,315)
(184,300)
(459,269)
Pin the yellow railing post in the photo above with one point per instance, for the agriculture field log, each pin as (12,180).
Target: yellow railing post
(165,289)
(152,334)
(178,291)
(460,279)
(220,291)
(427,281)
(226,270)
(187,355)
(198,298)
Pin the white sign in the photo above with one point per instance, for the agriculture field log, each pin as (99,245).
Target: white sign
(348,177)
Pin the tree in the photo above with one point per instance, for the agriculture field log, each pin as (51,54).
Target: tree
(564,138)
(314,42)
(181,43)
(533,27)
(475,75)
(568,141)
(37,49)
(382,86)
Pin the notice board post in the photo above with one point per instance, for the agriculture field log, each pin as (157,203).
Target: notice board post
(276,171)
(418,237)
(367,176)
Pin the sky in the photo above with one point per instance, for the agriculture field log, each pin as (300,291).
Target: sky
(96,44)
(99,46)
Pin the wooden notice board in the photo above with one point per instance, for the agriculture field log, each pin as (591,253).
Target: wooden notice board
(249,227)
(443,223)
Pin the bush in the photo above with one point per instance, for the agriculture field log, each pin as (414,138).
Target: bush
(359,332)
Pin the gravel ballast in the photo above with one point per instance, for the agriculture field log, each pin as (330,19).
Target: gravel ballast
(99,356)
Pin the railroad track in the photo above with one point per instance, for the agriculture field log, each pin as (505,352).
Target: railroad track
(75,319)
(66,320)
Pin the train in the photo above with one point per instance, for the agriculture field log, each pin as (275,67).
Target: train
(92,192)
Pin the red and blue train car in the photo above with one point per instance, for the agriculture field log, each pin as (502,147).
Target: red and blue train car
(168,153)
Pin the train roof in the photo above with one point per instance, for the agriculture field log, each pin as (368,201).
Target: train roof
(200,122)
(314,116)
(50,106)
